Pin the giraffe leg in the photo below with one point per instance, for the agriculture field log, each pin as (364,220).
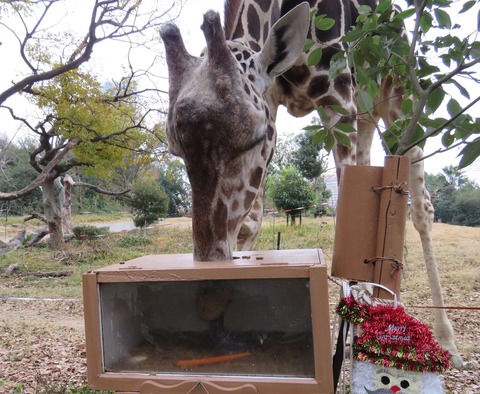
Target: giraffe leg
(388,107)
(422,216)
(366,130)
(343,155)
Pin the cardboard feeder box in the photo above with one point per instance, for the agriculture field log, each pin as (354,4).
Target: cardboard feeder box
(167,324)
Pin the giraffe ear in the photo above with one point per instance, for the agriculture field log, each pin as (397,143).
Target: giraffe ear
(285,41)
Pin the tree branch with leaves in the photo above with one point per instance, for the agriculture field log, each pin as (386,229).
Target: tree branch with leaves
(425,68)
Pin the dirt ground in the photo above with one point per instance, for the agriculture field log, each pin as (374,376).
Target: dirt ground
(42,348)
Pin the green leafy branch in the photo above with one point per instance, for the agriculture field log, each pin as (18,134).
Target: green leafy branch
(424,70)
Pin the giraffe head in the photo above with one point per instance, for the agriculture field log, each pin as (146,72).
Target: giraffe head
(221,124)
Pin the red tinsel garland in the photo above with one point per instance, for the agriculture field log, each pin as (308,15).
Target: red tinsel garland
(392,338)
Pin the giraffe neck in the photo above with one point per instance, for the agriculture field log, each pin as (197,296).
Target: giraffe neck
(303,88)
(250,21)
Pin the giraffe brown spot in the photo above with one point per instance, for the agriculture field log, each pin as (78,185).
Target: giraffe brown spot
(267,112)
(270,132)
(331,10)
(251,78)
(235,205)
(318,86)
(287,6)
(284,85)
(248,200)
(274,12)
(327,54)
(254,46)
(264,5)
(253,22)
(256,177)
(247,89)
(246,55)
(230,15)
(220,214)
(342,152)
(343,85)
(241,186)
(298,75)
(239,32)
(266,28)
(326,101)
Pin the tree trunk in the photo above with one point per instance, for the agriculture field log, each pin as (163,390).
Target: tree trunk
(293,220)
(53,214)
(66,204)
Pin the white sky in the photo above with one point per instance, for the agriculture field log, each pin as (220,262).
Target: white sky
(189,23)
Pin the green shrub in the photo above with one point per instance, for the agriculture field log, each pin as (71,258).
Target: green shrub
(89,232)
(149,202)
(133,240)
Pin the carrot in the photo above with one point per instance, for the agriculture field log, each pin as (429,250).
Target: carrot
(212,360)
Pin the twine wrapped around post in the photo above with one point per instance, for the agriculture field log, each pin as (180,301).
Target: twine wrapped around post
(391,224)
(371,218)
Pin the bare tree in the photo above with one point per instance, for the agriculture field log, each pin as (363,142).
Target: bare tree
(78,120)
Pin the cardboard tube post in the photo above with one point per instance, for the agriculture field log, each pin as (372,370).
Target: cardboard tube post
(356,222)
(388,259)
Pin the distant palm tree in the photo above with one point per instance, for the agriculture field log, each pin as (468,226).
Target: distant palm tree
(453,176)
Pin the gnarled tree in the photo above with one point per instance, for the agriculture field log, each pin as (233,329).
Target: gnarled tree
(78,120)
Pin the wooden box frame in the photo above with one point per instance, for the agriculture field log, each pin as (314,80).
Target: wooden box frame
(305,263)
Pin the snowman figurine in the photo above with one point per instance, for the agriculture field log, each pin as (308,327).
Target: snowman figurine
(371,378)
(392,351)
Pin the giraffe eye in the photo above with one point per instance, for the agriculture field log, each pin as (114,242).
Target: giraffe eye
(404,384)
(385,380)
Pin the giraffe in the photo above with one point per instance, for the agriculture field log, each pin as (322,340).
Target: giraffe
(222,111)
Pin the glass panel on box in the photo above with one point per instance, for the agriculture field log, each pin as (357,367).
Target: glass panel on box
(224,327)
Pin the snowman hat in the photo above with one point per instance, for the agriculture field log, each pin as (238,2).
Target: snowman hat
(390,337)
